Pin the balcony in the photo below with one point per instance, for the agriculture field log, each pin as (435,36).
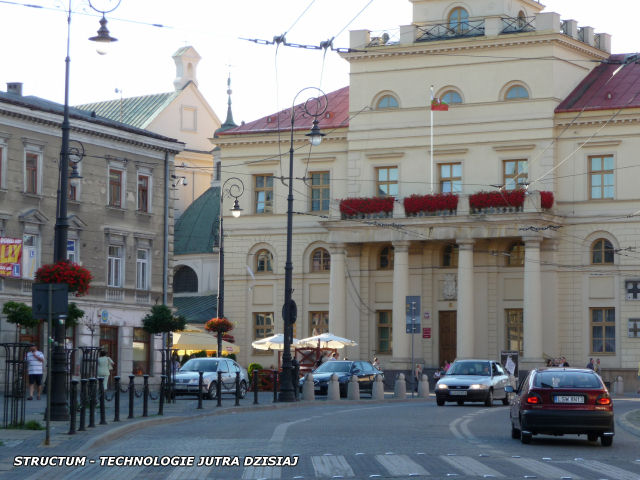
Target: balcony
(143,297)
(443,31)
(114,294)
(518,25)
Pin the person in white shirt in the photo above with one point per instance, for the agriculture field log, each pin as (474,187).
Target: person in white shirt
(35,362)
(105,365)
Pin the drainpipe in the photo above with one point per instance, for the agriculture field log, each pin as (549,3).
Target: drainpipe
(165,246)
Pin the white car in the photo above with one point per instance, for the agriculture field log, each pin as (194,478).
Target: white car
(473,381)
(188,377)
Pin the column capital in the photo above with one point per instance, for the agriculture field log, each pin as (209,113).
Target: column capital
(401,246)
(465,243)
(337,248)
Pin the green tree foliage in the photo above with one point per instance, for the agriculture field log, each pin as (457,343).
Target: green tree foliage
(20,313)
(74,315)
(162,320)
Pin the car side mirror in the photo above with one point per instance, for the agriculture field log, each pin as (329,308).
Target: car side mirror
(509,389)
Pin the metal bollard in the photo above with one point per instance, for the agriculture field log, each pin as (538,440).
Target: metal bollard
(295,379)
(145,398)
(103,413)
(92,402)
(163,384)
(73,406)
(254,381)
(237,389)
(200,382)
(219,390)
(132,391)
(83,404)
(275,386)
(116,415)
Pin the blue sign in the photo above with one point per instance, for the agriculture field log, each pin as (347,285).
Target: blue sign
(413,314)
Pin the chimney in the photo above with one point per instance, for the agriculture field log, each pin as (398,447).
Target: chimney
(15,88)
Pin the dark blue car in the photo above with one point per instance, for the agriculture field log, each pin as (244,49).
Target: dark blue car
(365,372)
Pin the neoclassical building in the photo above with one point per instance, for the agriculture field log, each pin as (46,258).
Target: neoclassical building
(533,247)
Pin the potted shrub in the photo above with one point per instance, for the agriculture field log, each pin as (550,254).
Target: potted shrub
(219,326)
(361,207)
(439,202)
(503,200)
(75,276)
(546,200)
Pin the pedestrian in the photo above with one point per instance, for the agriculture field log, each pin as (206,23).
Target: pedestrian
(35,362)
(417,376)
(596,368)
(563,362)
(105,365)
(376,363)
(591,365)
(446,366)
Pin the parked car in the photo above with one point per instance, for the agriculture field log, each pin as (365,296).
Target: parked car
(365,372)
(187,378)
(558,401)
(473,381)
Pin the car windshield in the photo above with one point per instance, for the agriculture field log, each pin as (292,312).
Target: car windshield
(469,368)
(333,366)
(200,365)
(564,379)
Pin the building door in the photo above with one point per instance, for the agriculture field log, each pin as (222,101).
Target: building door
(447,336)
(109,343)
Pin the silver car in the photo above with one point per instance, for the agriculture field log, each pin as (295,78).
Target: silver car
(473,381)
(187,378)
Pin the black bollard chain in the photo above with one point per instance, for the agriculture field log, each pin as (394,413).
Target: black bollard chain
(83,404)
(275,386)
(219,390)
(237,389)
(132,389)
(145,400)
(103,413)
(200,384)
(92,402)
(163,384)
(255,387)
(116,415)
(73,406)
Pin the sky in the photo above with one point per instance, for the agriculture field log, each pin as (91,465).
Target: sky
(264,79)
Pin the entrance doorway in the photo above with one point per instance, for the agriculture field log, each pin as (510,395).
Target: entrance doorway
(109,343)
(447,332)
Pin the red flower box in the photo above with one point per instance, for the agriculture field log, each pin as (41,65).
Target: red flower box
(430,203)
(76,277)
(218,325)
(505,198)
(546,199)
(350,207)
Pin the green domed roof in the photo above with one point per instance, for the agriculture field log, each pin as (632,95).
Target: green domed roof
(196,231)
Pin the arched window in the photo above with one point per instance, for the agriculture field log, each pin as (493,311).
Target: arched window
(516,92)
(388,101)
(450,255)
(516,255)
(185,280)
(264,261)
(451,97)
(385,259)
(602,252)
(320,260)
(459,20)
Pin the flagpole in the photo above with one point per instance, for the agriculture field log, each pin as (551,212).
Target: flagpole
(431,139)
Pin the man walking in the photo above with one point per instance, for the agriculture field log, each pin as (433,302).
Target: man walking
(35,362)
(590,365)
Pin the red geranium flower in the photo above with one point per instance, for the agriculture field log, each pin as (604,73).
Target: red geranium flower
(218,325)
(76,277)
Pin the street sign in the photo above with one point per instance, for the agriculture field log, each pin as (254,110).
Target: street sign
(427,315)
(40,299)
(413,314)
(509,360)
(426,332)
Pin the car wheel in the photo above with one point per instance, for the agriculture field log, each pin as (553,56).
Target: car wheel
(489,401)
(592,437)
(525,438)
(440,402)
(243,389)
(460,402)
(515,432)
(606,441)
(211,395)
(505,400)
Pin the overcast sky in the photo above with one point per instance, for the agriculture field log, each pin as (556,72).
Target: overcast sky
(34,45)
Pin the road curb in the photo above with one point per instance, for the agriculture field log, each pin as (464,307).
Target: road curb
(627,425)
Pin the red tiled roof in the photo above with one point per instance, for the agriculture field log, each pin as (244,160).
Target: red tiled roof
(602,90)
(336,116)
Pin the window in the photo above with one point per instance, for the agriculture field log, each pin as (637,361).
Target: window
(141,351)
(450,255)
(320,260)
(515,173)
(516,255)
(514,329)
(115,188)
(450,177)
(31,173)
(602,252)
(114,267)
(385,260)
(320,191)
(143,193)
(142,269)
(185,280)
(387,101)
(459,20)
(451,97)
(264,193)
(218,171)
(516,92)
(72,251)
(30,256)
(3,163)
(384,328)
(318,323)
(603,330)
(387,181)
(601,176)
(262,328)
(264,261)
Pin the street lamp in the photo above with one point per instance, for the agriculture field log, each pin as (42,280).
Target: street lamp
(58,401)
(232,187)
(314,107)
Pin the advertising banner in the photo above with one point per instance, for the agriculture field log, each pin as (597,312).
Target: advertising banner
(10,257)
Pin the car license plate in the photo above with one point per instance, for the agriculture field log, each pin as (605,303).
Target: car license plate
(458,392)
(568,399)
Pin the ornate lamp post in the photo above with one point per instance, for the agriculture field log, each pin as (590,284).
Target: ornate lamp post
(313,107)
(232,187)
(59,408)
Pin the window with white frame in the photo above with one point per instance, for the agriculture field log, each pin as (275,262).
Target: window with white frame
(114,266)
(144,192)
(142,269)
(117,187)
(33,170)
(72,251)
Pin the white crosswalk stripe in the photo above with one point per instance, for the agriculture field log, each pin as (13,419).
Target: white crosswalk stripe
(471,466)
(544,469)
(331,466)
(261,472)
(189,473)
(400,465)
(608,471)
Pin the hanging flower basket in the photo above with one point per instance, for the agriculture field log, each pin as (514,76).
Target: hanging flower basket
(218,325)
(546,200)
(510,199)
(358,207)
(439,202)
(76,277)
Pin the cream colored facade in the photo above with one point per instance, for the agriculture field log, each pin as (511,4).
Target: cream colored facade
(500,45)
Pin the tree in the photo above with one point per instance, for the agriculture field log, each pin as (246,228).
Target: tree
(73,315)
(162,320)
(20,314)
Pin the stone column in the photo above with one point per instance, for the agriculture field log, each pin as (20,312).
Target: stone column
(465,322)
(401,342)
(532,322)
(338,291)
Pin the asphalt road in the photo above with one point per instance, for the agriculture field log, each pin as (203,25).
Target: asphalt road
(413,439)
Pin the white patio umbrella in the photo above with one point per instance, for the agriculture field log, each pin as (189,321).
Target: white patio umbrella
(274,342)
(328,340)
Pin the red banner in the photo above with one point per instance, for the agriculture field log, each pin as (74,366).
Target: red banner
(10,257)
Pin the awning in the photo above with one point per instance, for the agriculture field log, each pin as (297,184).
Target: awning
(201,341)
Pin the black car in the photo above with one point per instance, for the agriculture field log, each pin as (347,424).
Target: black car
(473,381)
(365,372)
